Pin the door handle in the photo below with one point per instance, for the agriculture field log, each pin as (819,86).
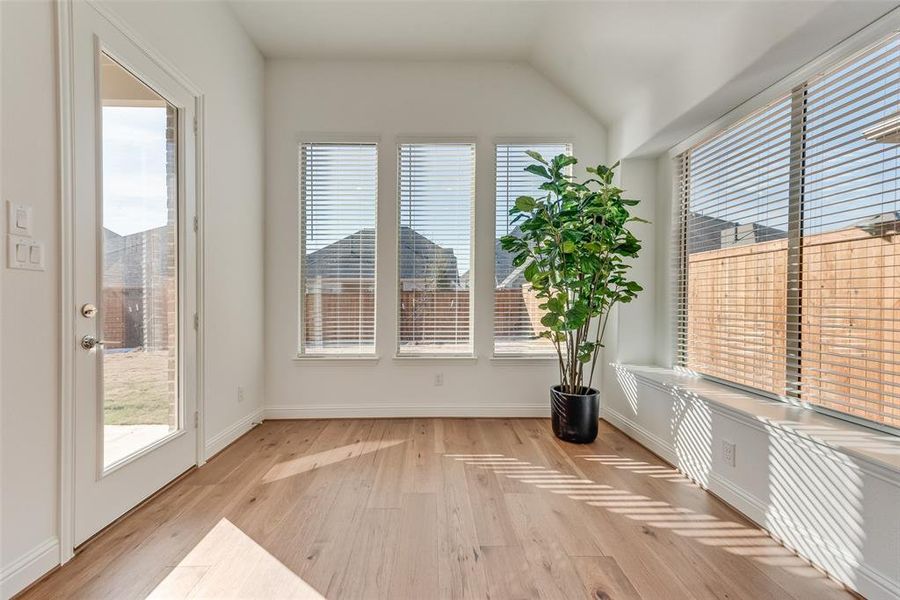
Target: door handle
(89,342)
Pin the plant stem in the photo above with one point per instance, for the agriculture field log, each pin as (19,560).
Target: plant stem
(598,338)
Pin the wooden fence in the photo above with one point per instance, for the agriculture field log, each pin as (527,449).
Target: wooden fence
(346,314)
(849,323)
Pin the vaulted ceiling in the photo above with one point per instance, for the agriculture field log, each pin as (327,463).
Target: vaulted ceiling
(648,70)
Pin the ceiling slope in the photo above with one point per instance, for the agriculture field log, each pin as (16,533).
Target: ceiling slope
(652,72)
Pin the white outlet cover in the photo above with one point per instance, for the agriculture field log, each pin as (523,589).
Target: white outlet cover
(728,452)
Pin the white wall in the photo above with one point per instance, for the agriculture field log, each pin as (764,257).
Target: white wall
(632,333)
(29,371)
(485,101)
(205,42)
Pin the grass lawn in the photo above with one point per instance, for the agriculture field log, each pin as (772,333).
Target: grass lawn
(136,388)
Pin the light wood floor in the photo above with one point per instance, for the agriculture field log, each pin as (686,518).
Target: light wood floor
(434,508)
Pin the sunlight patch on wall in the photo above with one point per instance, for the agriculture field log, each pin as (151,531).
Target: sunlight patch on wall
(815,501)
(628,383)
(691,432)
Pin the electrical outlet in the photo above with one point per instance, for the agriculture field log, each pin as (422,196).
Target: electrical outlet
(728,452)
(240,394)
(439,379)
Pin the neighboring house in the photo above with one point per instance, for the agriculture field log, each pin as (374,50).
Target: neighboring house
(505,274)
(711,233)
(423,264)
(339,283)
(138,289)
(886,223)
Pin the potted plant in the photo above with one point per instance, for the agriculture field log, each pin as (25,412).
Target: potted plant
(574,249)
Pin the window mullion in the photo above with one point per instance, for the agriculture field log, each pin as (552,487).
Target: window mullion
(680,268)
(794,271)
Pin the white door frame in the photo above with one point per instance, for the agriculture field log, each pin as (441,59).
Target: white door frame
(68,338)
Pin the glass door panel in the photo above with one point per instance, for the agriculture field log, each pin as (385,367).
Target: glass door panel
(139,257)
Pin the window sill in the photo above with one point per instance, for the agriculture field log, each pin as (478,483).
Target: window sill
(435,357)
(334,359)
(523,359)
(879,449)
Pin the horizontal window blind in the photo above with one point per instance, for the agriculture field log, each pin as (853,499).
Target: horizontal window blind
(735,189)
(437,194)
(848,310)
(516,313)
(787,261)
(338,199)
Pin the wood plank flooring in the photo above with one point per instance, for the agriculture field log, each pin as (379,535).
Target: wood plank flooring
(434,508)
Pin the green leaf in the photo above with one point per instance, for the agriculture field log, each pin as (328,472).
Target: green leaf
(563,160)
(577,314)
(568,247)
(525,203)
(550,320)
(555,305)
(520,259)
(539,171)
(536,156)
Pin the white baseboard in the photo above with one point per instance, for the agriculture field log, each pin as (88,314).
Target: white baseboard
(869,582)
(29,568)
(363,411)
(218,442)
(655,444)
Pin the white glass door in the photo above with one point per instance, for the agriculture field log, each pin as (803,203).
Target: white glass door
(134,274)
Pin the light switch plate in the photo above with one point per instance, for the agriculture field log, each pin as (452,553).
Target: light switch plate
(24,253)
(19,219)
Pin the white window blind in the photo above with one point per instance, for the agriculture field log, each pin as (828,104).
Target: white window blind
(789,244)
(848,309)
(735,209)
(437,193)
(338,198)
(516,313)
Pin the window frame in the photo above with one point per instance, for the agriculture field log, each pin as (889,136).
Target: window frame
(337,139)
(550,354)
(796,93)
(437,140)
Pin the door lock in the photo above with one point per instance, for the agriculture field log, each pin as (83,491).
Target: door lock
(89,342)
(88,311)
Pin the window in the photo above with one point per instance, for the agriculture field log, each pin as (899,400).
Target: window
(516,313)
(789,244)
(437,193)
(338,198)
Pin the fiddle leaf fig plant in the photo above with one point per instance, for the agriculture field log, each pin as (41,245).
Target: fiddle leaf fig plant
(574,249)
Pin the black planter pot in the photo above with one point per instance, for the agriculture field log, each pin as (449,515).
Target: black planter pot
(575,416)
